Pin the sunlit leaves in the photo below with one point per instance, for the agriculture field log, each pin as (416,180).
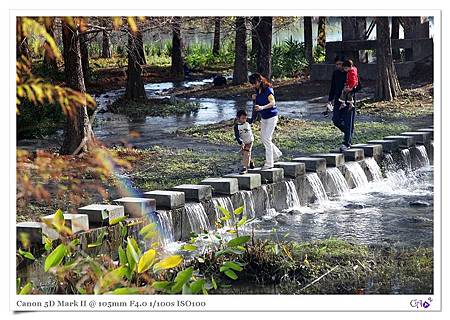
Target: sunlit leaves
(31,27)
(149,231)
(146,261)
(181,279)
(55,257)
(99,240)
(132,255)
(26,289)
(238,241)
(189,247)
(168,263)
(26,254)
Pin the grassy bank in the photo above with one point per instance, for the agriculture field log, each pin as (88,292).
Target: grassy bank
(298,136)
(153,107)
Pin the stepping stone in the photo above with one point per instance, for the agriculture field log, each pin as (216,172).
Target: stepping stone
(33,232)
(430,130)
(166,199)
(403,141)
(312,164)
(102,214)
(332,159)
(291,169)
(353,154)
(370,150)
(246,181)
(137,207)
(419,137)
(222,186)
(195,192)
(387,145)
(269,175)
(75,222)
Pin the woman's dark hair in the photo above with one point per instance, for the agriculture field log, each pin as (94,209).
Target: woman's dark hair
(338,58)
(258,77)
(347,63)
(241,113)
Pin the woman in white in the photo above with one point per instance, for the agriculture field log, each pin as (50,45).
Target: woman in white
(264,99)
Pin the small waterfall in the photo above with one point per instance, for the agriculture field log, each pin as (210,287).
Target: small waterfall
(406,156)
(164,220)
(357,174)
(374,169)
(340,185)
(423,156)
(249,203)
(269,209)
(317,187)
(388,162)
(292,199)
(197,217)
(226,203)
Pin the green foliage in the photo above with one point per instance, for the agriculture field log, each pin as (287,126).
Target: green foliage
(55,257)
(288,58)
(199,56)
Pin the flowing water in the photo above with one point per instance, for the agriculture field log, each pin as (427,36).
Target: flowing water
(388,162)
(340,185)
(166,231)
(224,202)
(423,159)
(197,217)
(292,199)
(248,203)
(357,173)
(406,157)
(374,169)
(317,187)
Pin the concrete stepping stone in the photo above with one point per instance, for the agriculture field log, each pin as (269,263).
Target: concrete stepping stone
(166,199)
(75,222)
(403,141)
(269,175)
(312,164)
(370,150)
(419,137)
(35,232)
(246,181)
(387,145)
(353,154)
(222,186)
(195,192)
(430,130)
(137,207)
(332,159)
(102,214)
(291,169)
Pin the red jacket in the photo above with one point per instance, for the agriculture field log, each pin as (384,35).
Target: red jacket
(352,78)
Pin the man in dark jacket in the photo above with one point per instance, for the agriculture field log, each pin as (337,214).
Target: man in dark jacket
(343,119)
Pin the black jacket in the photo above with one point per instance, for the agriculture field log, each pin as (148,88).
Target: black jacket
(337,85)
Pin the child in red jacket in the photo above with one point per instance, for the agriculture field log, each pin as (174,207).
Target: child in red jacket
(350,84)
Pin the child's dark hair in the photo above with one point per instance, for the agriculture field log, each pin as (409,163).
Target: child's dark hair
(258,77)
(347,63)
(241,113)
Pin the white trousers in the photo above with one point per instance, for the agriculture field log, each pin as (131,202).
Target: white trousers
(267,129)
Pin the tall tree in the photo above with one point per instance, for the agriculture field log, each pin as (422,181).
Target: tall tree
(106,42)
(307,35)
(216,41)
(84,55)
(395,34)
(264,58)
(322,33)
(360,34)
(140,47)
(387,84)
(177,49)
(240,70)
(77,132)
(255,41)
(49,57)
(135,84)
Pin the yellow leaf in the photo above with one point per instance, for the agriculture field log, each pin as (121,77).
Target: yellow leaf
(146,261)
(168,263)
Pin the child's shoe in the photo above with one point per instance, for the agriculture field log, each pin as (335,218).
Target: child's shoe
(252,165)
(243,170)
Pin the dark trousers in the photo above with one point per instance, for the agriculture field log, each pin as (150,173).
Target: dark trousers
(344,120)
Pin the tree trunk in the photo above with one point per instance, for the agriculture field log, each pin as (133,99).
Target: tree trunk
(240,71)
(395,34)
(360,34)
(254,54)
(348,25)
(264,61)
(140,48)
(307,35)
(106,42)
(21,41)
(78,132)
(49,57)
(322,33)
(387,85)
(216,42)
(135,85)
(84,55)
(177,54)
